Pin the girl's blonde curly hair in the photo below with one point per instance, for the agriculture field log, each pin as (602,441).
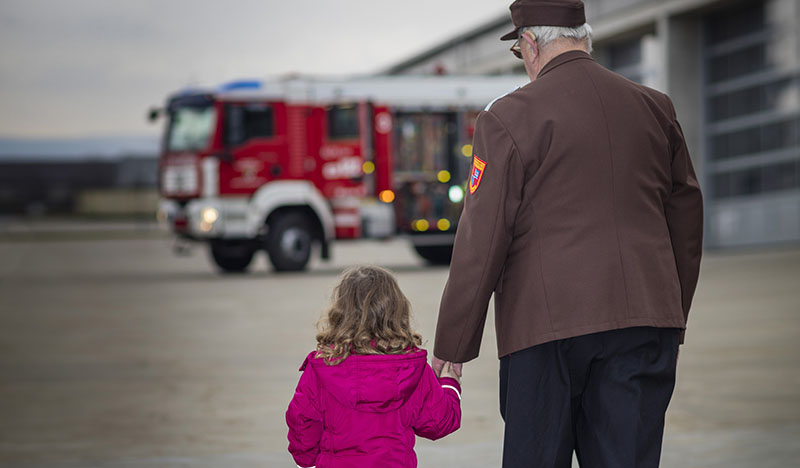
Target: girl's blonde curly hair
(369,314)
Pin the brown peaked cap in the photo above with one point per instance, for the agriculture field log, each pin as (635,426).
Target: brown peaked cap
(564,13)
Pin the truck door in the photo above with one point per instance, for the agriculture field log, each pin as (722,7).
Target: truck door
(256,151)
(342,166)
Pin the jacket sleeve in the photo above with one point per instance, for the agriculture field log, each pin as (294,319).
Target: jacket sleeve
(440,411)
(304,420)
(484,234)
(684,213)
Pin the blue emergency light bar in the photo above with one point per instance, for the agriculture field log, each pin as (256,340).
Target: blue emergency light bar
(239,85)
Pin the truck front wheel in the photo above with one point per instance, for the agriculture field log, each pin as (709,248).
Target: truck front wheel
(435,254)
(232,256)
(289,242)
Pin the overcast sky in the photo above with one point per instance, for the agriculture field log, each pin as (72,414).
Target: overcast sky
(93,67)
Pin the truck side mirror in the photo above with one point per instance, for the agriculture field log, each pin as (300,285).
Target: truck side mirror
(153,114)
(224,156)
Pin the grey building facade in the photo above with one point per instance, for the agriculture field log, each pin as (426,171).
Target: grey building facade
(732,68)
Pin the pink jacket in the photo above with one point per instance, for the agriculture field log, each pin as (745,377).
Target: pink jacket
(364,411)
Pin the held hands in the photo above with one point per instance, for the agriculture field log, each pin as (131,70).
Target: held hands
(446,369)
(449,371)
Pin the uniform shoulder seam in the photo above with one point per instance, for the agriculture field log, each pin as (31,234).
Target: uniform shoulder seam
(505,129)
(671,105)
(489,106)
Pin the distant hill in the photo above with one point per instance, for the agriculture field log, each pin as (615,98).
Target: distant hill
(105,147)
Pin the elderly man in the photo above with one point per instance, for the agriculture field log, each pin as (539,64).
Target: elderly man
(584,218)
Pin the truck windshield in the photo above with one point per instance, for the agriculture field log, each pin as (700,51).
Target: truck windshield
(190,127)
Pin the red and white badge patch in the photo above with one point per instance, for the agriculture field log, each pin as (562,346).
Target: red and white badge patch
(476,174)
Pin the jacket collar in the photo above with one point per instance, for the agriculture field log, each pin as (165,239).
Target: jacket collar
(562,59)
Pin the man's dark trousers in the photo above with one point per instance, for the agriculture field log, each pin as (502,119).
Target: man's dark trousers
(603,395)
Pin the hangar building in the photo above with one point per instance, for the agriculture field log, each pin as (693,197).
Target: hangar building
(732,68)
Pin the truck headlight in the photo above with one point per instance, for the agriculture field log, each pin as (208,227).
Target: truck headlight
(209,215)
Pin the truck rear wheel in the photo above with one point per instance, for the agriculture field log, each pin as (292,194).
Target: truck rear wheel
(232,256)
(289,242)
(435,254)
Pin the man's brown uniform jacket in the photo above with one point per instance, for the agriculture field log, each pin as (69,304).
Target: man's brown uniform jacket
(587,216)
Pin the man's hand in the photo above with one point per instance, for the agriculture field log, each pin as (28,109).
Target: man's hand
(438,365)
(449,371)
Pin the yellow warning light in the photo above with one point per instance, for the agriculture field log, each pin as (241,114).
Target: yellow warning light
(368,167)
(466,150)
(443,224)
(421,225)
(443,176)
(386,196)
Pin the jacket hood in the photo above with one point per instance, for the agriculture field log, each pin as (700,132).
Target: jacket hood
(376,383)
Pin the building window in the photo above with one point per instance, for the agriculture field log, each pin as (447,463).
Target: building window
(776,136)
(755,180)
(625,54)
(737,63)
(733,23)
(753,99)
(625,58)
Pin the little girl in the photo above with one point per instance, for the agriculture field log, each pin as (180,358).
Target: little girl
(368,388)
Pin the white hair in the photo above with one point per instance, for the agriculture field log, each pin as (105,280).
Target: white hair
(547,34)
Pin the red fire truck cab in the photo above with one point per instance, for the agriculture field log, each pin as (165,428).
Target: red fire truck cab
(282,165)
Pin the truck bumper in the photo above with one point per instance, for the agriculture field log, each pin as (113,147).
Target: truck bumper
(206,218)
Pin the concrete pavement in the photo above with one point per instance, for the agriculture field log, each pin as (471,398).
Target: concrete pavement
(115,353)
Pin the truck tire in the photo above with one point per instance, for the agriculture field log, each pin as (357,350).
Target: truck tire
(289,242)
(232,256)
(435,254)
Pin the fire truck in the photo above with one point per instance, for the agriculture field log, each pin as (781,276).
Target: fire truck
(289,164)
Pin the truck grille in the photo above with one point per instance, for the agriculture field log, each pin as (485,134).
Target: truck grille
(180,180)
